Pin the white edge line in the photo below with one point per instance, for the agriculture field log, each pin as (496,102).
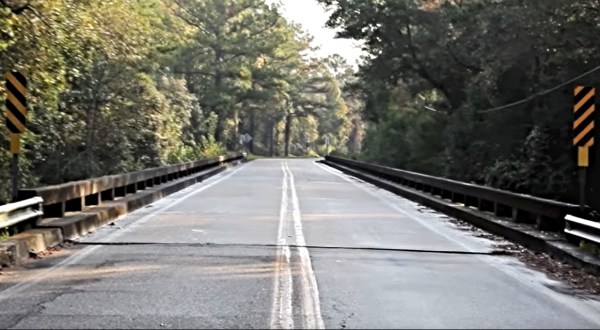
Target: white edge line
(46,273)
(312,301)
(397,208)
(526,284)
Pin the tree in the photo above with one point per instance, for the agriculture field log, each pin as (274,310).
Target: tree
(121,85)
(461,58)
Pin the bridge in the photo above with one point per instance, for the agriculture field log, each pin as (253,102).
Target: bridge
(291,243)
(311,164)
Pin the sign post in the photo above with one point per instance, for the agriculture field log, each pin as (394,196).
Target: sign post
(583,131)
(16,120)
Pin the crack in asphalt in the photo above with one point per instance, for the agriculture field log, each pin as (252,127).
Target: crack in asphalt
(323,247)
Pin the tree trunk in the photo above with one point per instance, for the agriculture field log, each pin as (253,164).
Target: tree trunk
(288,124)
(271,144)
(276,138)
(236,129)
(355,141)
(252,130)
(218,107)
(219,136)
(91,116)
(266,132)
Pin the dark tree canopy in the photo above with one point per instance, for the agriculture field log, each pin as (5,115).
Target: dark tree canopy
(462,57)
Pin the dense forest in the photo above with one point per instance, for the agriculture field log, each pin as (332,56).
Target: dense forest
(121,85)
(476,90)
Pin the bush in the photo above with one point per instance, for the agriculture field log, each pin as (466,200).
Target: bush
(211,148)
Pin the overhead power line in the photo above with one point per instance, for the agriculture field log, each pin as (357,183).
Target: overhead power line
(548,91)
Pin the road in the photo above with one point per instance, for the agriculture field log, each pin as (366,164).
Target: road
(285,244)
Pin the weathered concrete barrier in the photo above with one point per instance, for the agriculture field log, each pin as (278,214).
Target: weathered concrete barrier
(546,214)
(75,196)
(513,216)
(77,208)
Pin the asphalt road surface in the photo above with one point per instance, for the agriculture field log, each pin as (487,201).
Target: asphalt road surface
(285,244)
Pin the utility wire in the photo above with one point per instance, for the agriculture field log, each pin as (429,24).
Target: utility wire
(548,91)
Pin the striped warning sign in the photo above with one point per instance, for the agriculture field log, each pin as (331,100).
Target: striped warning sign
(16,102)
(584,110)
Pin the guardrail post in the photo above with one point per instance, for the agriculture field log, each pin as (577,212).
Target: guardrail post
(516,215)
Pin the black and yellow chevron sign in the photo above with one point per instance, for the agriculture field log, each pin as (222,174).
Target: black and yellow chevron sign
(16,102)
(584,110)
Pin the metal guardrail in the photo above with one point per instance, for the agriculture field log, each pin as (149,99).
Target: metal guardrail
(583,229)
(545,213)
(15,213)
(75,196)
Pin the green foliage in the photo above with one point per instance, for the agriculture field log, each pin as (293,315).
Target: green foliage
(210,147)
(408,137)
(7,232)
(121,85)
(461,57)
(4,234)
(590,247)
